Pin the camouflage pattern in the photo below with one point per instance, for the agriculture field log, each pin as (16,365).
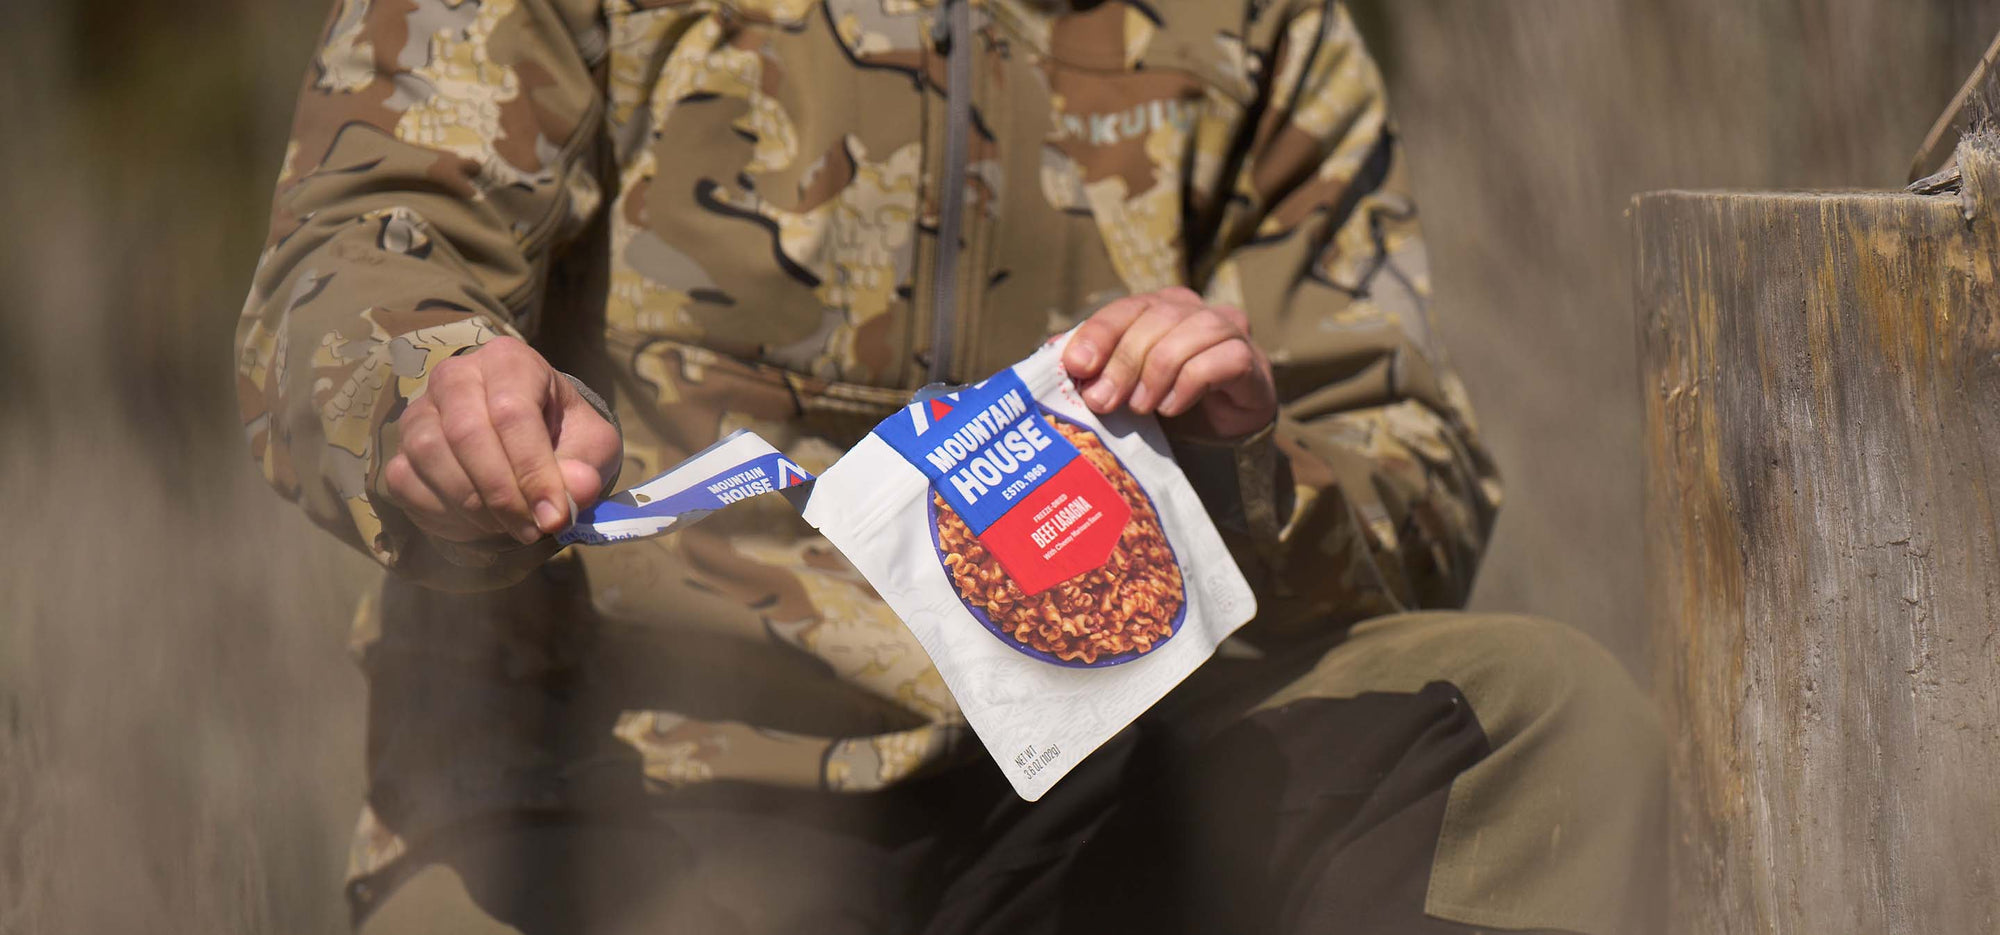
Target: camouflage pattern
(752,185)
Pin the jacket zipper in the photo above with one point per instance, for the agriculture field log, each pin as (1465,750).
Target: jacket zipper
(954,29)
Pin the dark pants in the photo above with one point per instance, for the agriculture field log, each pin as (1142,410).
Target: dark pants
(1439,773)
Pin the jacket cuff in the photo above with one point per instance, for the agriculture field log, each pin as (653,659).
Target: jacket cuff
(1245,483)
(596,402)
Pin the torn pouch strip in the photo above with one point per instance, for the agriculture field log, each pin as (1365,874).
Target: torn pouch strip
(740,466)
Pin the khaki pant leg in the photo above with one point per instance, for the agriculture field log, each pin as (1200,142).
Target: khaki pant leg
(707,871)
(1562,825)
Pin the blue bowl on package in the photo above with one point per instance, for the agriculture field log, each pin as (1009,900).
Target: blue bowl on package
(979,614)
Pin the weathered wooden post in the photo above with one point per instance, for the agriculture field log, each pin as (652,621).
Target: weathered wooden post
(1822,381)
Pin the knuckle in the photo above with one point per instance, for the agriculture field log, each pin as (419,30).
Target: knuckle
(400,476)
(1180,294)
(1243,352)
(1232,356)
(462,430)
(1208,366)
(1201,371)
(1229,360)
(511,409)
(1168,311)
(1116,315)
(1161,368)
(1125,361)
(1099,331)
(506,352)
(423,440)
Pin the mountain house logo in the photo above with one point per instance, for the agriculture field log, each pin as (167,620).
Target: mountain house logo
(932,411)
(791,475)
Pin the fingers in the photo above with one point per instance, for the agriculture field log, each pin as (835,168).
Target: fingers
(1131,328)
(1119,379)
(424,507)
(477,454)
(461,392)
(1254,390)
(1090,345)
(1170,352)
(430,485)
(1227,367)
(515,405)
(584,482)
(1161,384)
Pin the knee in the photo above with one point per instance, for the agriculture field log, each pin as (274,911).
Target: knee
(1552,691)
(1571,795)
(1535,682)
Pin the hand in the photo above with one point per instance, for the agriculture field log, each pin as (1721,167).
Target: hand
(1171,353)
(499,443)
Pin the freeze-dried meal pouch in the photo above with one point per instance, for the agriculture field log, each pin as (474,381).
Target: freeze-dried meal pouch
(1055,564)
(740,466)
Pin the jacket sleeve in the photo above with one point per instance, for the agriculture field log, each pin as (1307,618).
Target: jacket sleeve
(439,153)
(1371,493)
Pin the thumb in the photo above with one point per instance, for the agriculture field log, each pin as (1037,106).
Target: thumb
(583,482)
(587,446)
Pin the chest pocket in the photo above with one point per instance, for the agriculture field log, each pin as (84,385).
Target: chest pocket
(1114,125)
(770,188)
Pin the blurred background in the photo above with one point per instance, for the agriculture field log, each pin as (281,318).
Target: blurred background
(180,727)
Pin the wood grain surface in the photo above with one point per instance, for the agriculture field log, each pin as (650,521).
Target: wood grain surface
(1822,389)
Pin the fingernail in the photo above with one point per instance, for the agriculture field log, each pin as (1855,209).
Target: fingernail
(1141,396)
(1167,407)
(1098,393)
(549,516)
(527,534)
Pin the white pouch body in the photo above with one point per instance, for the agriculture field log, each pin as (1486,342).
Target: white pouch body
(1056,565)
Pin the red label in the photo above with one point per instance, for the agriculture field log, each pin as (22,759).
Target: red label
(1066,526)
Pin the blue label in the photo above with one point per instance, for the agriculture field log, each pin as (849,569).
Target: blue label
(984,447)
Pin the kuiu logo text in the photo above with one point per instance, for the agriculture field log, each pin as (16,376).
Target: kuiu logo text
(1108,129)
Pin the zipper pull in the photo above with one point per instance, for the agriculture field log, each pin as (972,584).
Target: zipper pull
(941,27)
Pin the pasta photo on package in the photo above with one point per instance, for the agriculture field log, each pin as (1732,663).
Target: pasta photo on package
(1054,563)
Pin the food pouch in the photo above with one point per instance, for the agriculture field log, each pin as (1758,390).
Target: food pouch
(1055,564)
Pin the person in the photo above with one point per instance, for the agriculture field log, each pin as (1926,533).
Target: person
(523,249)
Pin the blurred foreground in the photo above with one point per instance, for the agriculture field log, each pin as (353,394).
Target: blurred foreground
(180,734)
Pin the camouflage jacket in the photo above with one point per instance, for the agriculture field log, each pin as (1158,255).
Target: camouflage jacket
(725,213)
